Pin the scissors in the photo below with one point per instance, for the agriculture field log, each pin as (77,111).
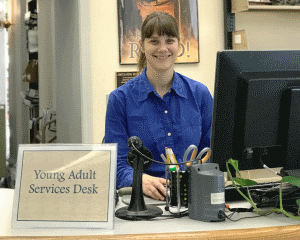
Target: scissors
(194,153)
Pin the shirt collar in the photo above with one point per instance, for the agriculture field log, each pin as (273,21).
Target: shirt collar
(146,87)
(178,86)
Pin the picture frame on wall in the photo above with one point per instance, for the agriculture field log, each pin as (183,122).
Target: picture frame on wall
(124,77)
(131,14)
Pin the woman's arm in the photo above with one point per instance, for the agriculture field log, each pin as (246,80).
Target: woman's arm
(116,132)
(206,113)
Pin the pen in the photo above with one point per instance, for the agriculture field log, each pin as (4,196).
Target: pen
(163,158)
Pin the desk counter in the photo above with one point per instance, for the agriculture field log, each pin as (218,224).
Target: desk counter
(273,227)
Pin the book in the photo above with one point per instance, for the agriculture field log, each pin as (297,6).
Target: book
(260,2)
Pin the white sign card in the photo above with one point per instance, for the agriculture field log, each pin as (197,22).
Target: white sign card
(65,186)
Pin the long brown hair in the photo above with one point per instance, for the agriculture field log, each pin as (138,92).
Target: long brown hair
(163,24)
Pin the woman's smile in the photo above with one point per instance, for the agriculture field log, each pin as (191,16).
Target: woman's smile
(161,51)
(164,57)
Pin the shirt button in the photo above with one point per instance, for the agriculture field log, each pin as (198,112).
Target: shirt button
(166,111)
(169,134)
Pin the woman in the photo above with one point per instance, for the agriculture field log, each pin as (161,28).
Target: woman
(160,106)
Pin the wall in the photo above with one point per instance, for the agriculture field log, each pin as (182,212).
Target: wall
(59,69)
(2,97)
(2,59)
(60,80)
(18,59)
(270,30)
(67,71)
(105,53)
(47,87)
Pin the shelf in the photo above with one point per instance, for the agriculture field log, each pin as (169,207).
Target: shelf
(273,8)
(243,5)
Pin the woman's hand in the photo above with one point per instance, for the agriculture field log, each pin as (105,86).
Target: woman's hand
(154,187)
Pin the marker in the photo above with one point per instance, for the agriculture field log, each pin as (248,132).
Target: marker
(170,160)
(173,158)
(173,168)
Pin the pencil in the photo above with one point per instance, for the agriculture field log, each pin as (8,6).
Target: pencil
(167,154)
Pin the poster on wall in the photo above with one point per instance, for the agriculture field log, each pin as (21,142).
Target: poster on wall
(131,14)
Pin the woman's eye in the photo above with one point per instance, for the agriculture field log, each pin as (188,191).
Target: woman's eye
(153,41)
(170,40)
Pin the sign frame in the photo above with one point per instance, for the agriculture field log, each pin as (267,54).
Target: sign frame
(124,77)
(101,153)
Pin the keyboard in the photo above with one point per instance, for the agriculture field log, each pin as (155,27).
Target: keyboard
(231,194)
(293,172)
(258,192)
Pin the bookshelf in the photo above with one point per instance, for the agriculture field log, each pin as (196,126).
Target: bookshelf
(243,5)
(237,10)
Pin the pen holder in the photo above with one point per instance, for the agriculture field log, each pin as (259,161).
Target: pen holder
(179,184)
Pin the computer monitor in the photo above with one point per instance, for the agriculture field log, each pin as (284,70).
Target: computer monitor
(256,113)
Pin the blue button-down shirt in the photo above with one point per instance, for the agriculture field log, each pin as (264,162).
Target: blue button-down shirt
(181,118)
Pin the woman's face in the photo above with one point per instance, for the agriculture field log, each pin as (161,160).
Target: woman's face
(161,51)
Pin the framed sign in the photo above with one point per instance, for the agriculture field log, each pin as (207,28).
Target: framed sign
(131,14)
(65,186)
(124,77)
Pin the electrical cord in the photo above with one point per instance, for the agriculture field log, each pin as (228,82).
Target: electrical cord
(166,217)
(223,215)
(167,164)
(234,210)
(172,216)
(269,169)
(288,202)
(180,214)
(274,200)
